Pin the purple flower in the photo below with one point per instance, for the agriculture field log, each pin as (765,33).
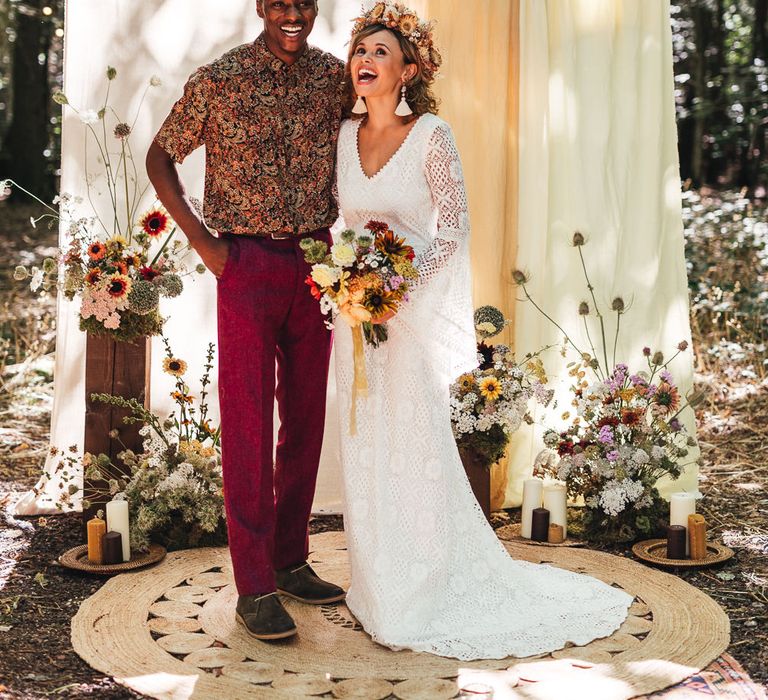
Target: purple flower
(612,456)
(666,376)
(675,425)
(637,380)
(647,352)
(606,435)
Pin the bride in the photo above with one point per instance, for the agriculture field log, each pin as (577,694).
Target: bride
(427,571)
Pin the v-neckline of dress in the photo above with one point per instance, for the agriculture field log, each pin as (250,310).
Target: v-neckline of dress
(390,159)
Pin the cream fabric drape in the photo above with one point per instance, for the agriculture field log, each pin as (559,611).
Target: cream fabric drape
(479,99)
(598,154)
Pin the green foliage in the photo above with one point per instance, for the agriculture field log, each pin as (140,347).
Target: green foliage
(132,326)
(726,249)
(721,90)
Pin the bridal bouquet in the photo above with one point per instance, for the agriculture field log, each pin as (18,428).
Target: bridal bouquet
(625,431)
(117,260)
(489,404)
(174,486)
(362,278)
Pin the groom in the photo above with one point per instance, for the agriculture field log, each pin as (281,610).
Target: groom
(268,114)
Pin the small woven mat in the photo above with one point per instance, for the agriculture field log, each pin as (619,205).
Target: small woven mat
(170,632)
(655,552)
(77,558)
(511,533)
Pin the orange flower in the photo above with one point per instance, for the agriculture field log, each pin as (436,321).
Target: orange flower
(121,266)
(93,275)
(666,400)
(182,398)
(155,222)
(393,246)
(97,250)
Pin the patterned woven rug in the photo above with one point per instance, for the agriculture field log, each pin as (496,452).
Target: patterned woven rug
(723,678)
(168,631)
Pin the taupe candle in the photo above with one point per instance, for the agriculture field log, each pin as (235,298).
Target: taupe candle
(540,525)
(676,541)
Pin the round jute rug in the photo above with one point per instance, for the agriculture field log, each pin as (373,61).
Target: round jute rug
(169,632)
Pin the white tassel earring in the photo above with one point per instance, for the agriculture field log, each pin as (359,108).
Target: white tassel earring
(360,107)
(403,109)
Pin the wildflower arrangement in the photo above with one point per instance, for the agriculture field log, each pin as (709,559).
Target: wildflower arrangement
(625,431)
(174,486)
(489,404)
(361,278)
(395,15)
(119,262)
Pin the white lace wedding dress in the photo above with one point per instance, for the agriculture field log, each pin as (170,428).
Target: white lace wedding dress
(428,572)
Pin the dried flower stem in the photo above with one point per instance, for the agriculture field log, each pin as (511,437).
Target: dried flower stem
(597,309)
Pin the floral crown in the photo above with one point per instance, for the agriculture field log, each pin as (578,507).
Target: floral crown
(396,16)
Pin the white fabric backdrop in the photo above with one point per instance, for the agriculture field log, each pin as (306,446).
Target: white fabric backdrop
(167,38)
(598,154)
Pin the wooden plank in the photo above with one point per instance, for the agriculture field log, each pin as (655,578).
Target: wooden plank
(115,368)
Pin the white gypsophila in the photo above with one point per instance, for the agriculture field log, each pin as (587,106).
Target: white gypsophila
(640,457)
(657,453)
(343,254)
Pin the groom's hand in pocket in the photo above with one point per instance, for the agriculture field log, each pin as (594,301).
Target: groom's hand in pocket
(214,253)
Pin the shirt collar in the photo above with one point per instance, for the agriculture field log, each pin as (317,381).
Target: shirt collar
(265,57)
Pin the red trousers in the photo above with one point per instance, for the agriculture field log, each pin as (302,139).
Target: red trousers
(267,318)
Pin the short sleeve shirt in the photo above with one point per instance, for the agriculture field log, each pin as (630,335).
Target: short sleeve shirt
(270,133)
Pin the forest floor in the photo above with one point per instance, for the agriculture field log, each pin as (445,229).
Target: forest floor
(38,597)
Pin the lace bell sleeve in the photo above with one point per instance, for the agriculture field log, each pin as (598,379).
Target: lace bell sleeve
(446,183)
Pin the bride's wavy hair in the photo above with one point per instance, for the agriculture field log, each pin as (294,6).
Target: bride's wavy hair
(418,90)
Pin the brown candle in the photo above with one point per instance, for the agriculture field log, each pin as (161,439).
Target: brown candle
(96,528)
(676,537)
(112,544)
(556,535)
(697,536)
(540,525)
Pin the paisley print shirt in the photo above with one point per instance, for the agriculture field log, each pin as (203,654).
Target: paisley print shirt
(270,133)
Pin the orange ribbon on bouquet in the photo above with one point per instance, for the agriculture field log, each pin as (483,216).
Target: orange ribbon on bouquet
(355,314)
(360,382)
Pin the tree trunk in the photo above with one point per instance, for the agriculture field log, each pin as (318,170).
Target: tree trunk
(22,157)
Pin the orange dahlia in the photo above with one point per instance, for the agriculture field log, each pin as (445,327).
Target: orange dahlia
(155,222)
(93,275)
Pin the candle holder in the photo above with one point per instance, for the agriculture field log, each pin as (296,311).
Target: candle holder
(77,559)
(655,552)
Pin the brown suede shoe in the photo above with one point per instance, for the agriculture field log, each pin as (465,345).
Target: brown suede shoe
(303,584)
(264,617)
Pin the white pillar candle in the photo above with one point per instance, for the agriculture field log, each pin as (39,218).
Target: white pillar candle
(554,502)
(681,505)
(117,521)
(532,491)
